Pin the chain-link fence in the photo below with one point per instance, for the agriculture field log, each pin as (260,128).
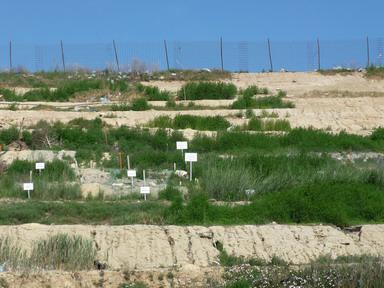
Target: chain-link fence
(245,56)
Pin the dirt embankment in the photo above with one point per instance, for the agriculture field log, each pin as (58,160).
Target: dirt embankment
(149,247)
(175,256)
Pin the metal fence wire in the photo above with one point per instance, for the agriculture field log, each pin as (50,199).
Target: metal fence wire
(243,56)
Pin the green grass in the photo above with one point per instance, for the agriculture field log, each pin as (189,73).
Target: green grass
(62,93)
(338,203)
(247,101)
(58,252)
(207,90)
(298,139)
(229,179)
(207,123)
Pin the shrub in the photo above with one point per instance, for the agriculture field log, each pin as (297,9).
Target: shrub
(246,101)
(170,193)
(154,94)
(140,104)
(64,92)
(207,90)
(253,90)
(9,135)
(9,95)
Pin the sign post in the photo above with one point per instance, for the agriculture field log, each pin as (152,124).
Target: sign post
(182,145)
(190,157)
(145,190)
(28,187)
(40,166)
(131,173)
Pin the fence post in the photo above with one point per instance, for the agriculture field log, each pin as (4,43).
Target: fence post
(116,56)
(368,58)
(270,56)
(62,54)
(318,55)
(10,56)
(166,54)
(221,54)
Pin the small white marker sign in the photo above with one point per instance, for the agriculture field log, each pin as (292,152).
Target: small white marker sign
(145,190)
(28,186)
(190,157)
(181,145)
(131,173)
(40,166)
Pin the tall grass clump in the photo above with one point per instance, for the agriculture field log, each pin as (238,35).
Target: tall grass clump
(257,124)
(207,90)
(58,252)
(64,252)
(207,123)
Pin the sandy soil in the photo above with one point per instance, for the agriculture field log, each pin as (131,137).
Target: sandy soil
(340,102)
(295,83)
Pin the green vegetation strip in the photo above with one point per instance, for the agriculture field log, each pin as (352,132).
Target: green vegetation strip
(208,123)
(340,203)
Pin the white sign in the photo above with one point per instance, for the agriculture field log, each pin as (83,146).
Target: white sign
(131,173)
(181,145)
(145,190)
(28,186)
(40,166)
(190,157)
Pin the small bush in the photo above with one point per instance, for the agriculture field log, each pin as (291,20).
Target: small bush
(170,193)
(207,90)
(253,90)
(154,94)
(140,104)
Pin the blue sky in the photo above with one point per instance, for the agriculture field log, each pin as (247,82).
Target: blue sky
(100,21)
